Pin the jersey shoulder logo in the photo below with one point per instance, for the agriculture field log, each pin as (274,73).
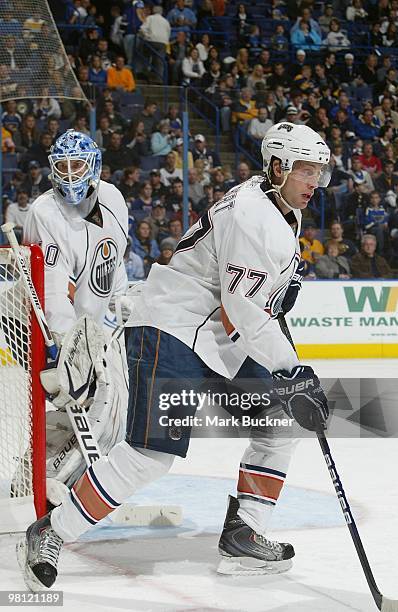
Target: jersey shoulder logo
(51,255)
(103,267)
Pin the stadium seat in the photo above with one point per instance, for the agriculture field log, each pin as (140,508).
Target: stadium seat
(10,163)
(152,162)
(128,98)
(128,111)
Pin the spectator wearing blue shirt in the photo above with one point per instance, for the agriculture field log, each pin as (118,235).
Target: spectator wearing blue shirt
(181,18)
(96,74)
(367,126)
(72,14)
(162,142)
(255,42)
(375,220)
(144,201)
(307,18)
(344,104)
(9,25)
(304,38)
(133,264)
(133,18)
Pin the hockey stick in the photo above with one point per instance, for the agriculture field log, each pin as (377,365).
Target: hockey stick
(383,603)
(76,413)
(8,230)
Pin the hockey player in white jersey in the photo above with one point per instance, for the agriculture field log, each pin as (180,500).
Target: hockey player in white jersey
(212,310)
(81,225)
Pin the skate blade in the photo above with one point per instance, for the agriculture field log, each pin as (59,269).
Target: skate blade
(30,579)
(241,566)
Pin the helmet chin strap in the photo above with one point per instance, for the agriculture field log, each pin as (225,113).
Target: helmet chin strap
(277,189)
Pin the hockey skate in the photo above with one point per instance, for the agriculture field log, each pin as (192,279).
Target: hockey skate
(243,551)
(38,555)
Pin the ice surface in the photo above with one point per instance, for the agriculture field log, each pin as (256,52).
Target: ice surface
(173,569)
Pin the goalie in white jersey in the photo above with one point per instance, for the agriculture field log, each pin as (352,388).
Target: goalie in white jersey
(81,225)
(212,311)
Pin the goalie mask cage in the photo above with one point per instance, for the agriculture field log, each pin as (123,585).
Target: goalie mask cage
(22,399)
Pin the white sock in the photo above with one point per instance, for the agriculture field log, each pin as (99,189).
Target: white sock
(105,485)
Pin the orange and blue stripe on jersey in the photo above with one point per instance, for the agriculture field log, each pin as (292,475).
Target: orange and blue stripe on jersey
(229,328)
(91,499)
(260,484)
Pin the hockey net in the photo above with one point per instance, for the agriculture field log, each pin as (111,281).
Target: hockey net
(40,66)
(22,403)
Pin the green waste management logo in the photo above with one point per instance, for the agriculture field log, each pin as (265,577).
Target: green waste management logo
(367,305)
(383,299)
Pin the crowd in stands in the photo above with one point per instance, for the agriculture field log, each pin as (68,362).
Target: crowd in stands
(332,66)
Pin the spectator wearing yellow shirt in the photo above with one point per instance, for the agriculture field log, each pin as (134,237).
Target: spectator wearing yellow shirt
(178,154)
(7,142)
(245,108)
(120,77)
(311,248)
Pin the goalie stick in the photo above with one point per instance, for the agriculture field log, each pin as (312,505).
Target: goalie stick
(383,603)
(76,413)
(8,230)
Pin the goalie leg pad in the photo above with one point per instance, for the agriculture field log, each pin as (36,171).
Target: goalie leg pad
(108,412)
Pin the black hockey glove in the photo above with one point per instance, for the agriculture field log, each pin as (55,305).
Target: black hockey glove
(293,289)
(302,396)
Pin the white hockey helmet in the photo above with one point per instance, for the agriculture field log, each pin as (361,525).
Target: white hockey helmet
(289,143)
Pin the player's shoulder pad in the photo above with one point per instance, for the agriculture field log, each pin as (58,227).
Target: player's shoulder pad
(251,205)
(44,205)
(109,195)
(108,190)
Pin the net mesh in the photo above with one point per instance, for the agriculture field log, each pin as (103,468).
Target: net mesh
(33,61)
(15,381)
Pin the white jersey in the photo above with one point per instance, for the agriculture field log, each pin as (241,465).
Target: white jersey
(222,290)
(16,214)
(84,264)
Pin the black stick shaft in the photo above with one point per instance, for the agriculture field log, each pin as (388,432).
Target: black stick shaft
(345,506)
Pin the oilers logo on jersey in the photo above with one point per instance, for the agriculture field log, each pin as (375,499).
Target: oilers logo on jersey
(103,267)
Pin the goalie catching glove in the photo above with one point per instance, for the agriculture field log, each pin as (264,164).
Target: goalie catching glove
(302,396)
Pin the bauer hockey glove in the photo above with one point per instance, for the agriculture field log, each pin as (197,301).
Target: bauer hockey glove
(302,396)
(293,288)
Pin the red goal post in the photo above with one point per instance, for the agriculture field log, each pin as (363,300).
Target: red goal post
(22,404)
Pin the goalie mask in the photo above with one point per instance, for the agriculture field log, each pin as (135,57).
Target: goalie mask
(292,143)
(75,162)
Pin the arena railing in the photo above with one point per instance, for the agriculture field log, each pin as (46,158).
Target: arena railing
(197,101)
(241,136)
(78,27)
(223,27)
(140,44)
